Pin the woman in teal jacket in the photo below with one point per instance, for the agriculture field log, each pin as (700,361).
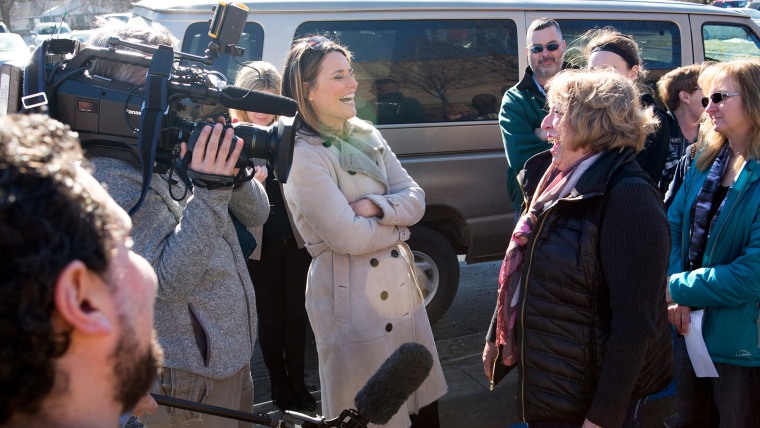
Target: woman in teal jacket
(715,257)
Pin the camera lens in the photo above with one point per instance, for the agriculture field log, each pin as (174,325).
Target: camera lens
(272,143)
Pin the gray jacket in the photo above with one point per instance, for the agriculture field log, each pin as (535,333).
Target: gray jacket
(205,295)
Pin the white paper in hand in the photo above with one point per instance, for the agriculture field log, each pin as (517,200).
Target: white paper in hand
(695,344)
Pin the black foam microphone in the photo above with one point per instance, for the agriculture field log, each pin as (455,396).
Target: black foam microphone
(396,379)
(252,100)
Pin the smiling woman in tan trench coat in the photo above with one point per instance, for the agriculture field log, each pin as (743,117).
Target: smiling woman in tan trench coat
(352,202)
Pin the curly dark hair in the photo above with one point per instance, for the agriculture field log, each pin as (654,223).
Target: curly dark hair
(47,220)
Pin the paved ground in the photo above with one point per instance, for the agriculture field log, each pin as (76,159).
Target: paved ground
(459,339)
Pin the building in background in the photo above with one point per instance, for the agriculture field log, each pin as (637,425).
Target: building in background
(21,16)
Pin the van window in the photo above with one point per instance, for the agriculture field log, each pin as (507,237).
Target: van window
(197,39)
(422,71)
(52,28)
(724,42)
(660,41)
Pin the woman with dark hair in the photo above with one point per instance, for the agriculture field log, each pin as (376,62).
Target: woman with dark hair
(608,48)
(353,202)
(580,307)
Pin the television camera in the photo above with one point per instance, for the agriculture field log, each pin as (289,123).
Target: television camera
(144,124)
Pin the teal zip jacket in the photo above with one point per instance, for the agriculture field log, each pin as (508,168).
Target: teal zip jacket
(728,283)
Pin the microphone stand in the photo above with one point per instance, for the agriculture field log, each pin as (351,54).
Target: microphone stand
(348,418)
(220,411)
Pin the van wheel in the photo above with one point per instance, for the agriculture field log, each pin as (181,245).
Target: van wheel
(437,269)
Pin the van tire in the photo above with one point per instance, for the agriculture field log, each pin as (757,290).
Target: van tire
(437,269)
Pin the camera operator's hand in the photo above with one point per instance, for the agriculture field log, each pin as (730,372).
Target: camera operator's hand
(211,157)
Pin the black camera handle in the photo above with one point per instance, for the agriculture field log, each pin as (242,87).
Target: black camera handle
(84,54)
(115,41)
(155,106)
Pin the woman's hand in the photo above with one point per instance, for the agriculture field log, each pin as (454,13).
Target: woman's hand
(366,208)
(679,316)
(489,356)
(588,424)
(260,173)
(146,406)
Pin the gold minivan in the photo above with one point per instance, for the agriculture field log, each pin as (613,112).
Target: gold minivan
(449,63)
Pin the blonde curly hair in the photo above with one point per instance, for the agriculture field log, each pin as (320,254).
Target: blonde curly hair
(602,108)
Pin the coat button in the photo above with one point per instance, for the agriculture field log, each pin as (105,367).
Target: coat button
(388,327)
(394,254)
(374,262)
(384,295)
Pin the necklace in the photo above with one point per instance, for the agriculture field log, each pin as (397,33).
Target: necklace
(737,153)
(737,161)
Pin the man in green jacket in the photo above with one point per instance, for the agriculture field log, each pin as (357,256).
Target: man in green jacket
(523,105)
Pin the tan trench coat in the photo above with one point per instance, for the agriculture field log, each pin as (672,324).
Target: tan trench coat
(361,296)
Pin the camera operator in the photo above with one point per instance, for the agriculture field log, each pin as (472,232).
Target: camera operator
(76,305)
(205,312)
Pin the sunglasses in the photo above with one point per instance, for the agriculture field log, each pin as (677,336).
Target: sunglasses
(551,47)
(718,97)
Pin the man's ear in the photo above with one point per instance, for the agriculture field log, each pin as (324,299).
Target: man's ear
(83,300)
(684,97)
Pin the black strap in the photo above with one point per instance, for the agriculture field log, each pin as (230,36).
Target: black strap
(210,181)
(154,107)
(34,96)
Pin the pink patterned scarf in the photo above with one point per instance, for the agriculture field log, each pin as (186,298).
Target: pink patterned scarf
(554,185)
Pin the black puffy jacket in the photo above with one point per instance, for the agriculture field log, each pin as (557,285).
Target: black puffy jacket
(593,290)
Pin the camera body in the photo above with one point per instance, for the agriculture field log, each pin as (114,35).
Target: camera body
(108,114)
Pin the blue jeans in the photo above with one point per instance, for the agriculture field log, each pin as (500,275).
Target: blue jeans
(729,400)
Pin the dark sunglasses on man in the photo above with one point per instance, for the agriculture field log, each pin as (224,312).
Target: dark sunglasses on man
(551,47)
(718,97)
